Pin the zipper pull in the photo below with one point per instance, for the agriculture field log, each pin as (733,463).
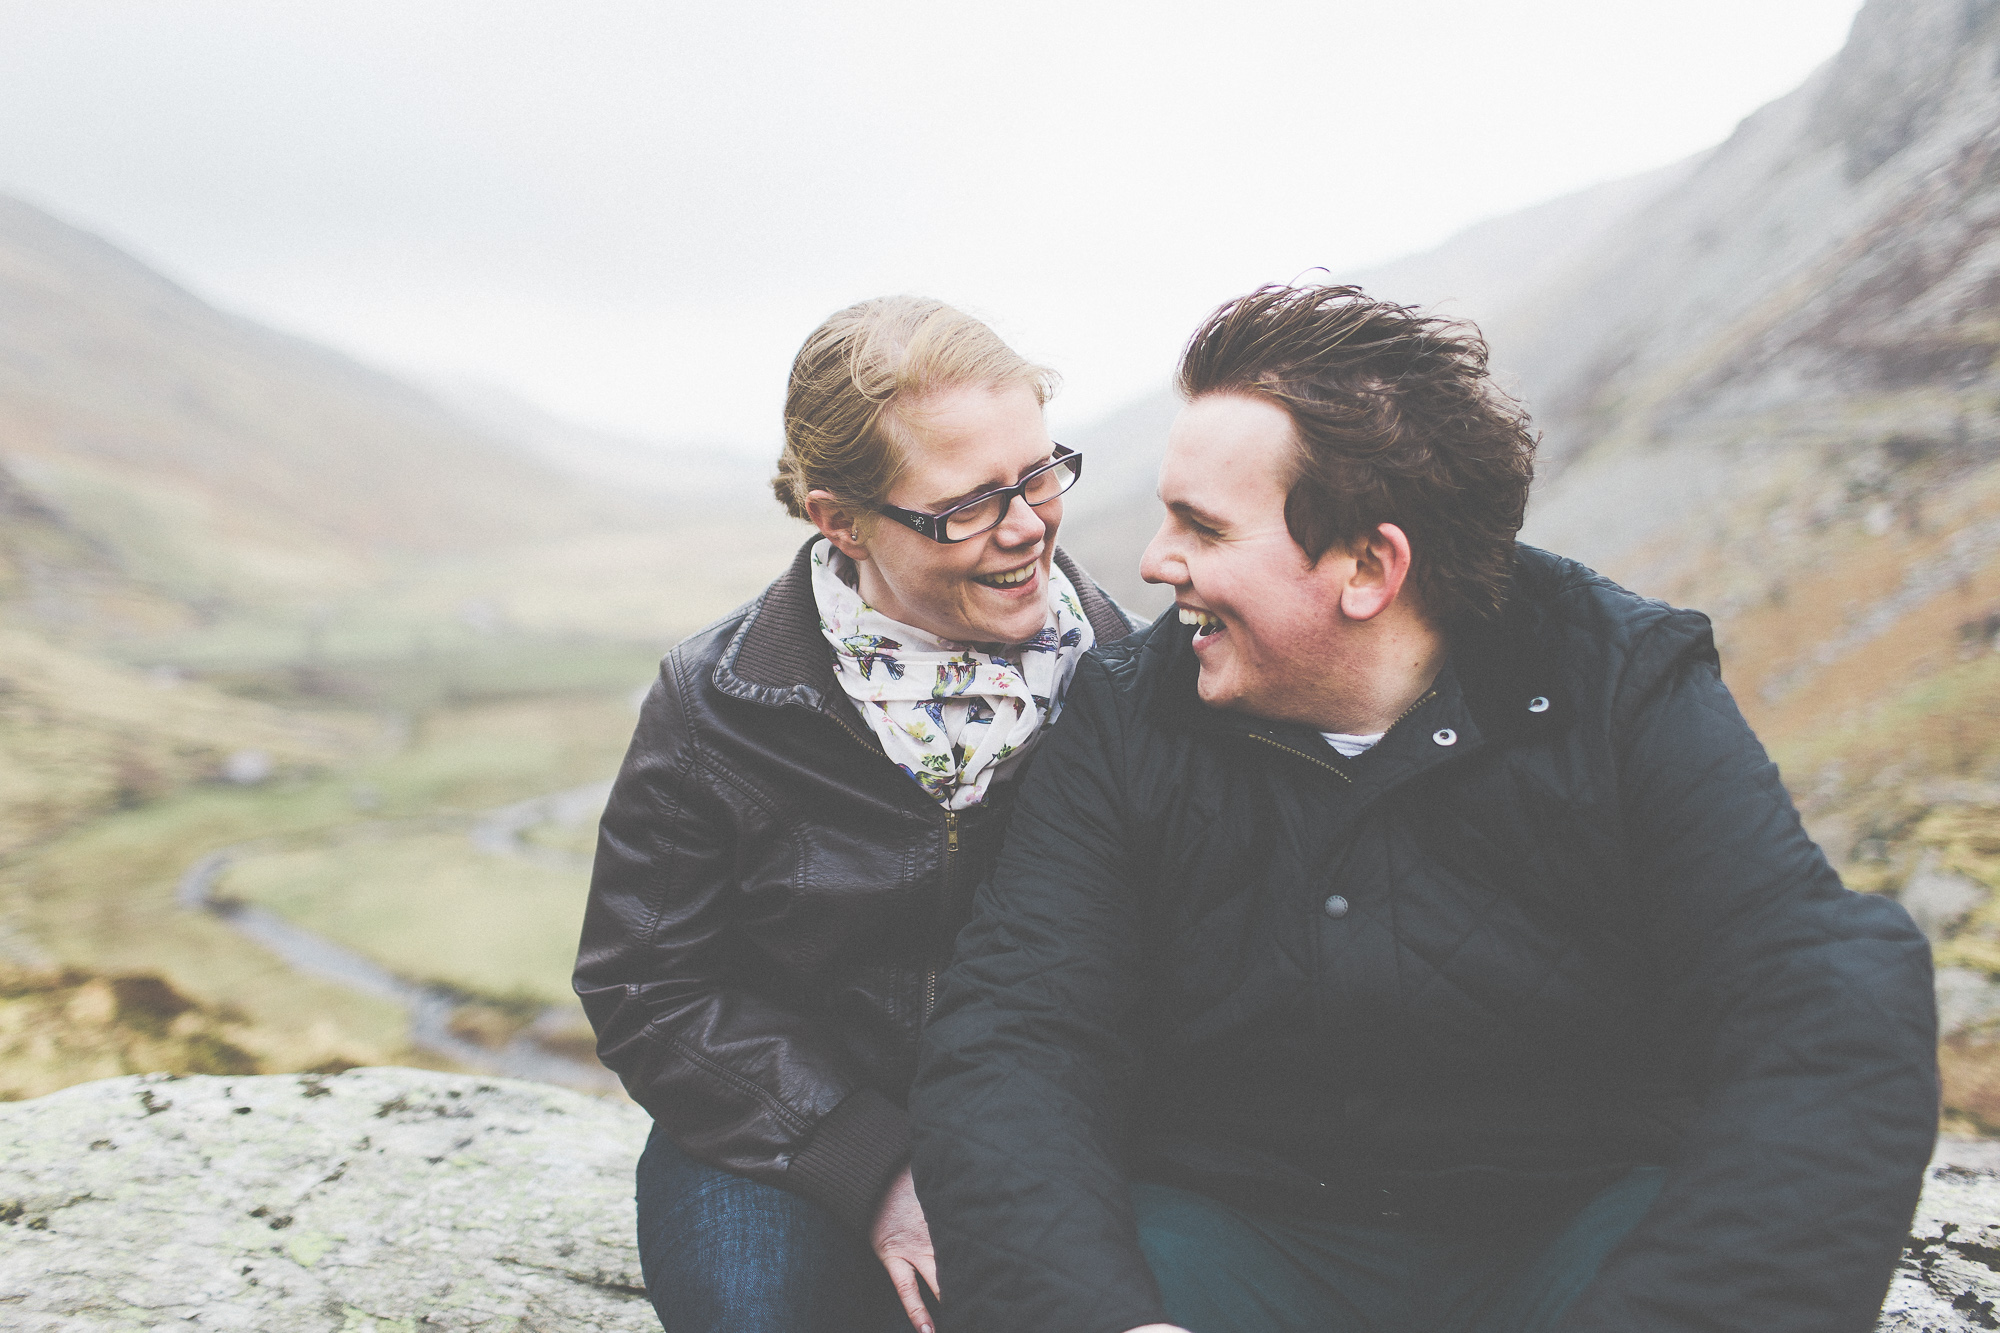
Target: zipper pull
(950,831)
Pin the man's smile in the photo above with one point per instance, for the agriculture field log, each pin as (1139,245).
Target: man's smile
(1206,625)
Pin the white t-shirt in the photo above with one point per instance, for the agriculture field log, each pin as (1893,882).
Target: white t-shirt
(1349,743)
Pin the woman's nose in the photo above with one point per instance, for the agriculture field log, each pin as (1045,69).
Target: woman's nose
(1022,524)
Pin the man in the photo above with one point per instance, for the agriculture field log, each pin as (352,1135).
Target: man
(1408,933)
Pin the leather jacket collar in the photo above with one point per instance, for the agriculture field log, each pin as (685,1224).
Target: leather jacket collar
(779,657)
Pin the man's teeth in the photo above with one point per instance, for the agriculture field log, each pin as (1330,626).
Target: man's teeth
(1201,620)
(1008,580)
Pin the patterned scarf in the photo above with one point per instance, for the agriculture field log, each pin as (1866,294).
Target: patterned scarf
(950,716)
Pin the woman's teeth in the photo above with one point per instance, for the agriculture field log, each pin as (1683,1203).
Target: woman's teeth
(1203,622)
(1011,579)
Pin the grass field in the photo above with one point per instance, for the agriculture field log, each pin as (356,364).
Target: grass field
(98,900)
(431,908)
(386,708)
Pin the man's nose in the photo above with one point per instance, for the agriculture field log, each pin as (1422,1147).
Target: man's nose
(1161,561)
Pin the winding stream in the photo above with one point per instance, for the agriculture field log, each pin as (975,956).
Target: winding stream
(430,1008)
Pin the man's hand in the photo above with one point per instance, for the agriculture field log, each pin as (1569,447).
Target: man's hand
(901,1239)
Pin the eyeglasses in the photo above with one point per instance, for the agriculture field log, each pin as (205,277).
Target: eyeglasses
(983,513)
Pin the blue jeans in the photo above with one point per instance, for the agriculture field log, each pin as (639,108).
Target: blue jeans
(1227,1270)
(726,1254)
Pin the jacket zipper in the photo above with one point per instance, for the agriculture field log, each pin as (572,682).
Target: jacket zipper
(858,738)
(950,863)
(1427,696)
(1301,754)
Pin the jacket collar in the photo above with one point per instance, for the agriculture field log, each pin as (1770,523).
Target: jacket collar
(778,655)
(1499,682)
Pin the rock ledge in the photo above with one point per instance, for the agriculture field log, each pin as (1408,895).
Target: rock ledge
(405,1200)
(374,1200)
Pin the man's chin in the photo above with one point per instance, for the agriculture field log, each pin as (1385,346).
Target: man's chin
(1212,689)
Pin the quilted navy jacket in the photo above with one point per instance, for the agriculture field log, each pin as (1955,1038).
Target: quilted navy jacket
(1562,920)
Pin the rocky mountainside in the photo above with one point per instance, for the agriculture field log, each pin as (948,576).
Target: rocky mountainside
(1825,273)
(1484,273)
(383,1199)
(1767,384)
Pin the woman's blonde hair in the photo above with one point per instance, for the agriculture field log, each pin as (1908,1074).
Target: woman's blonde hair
(852,373)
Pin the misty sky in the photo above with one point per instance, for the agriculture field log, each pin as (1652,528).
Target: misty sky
(633,212)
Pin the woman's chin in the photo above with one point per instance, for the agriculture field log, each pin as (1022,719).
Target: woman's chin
(1015,628)
(1009,615)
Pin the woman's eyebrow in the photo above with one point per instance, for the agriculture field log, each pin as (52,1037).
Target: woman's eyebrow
(985,487)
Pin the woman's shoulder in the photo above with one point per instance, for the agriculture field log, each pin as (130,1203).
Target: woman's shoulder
(1109,622)
(700,651)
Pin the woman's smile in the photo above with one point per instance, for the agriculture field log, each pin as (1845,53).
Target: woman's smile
(1020,579)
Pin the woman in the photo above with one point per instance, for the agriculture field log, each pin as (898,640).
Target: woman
(815,786)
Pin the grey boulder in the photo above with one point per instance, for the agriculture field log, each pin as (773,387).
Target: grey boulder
(406,1200)
(374,1200)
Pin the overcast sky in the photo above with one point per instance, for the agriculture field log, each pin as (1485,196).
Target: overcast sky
(633,212)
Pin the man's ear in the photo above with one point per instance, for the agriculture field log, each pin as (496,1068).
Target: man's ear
(1381,564)
(837,523)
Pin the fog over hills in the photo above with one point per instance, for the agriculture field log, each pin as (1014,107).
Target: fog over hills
(716,473)
(1486,273)
(206,453)
(233,511)
(1819,276)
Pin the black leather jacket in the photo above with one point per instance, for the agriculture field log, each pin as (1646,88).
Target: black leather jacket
(771,903)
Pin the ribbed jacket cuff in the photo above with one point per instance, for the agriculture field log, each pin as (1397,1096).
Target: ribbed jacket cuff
(853,1154)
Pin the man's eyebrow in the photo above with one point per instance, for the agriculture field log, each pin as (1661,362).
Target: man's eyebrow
(1194,511)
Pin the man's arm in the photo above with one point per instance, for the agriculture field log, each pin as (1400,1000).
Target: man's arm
(1810,1020)
(1022,1089)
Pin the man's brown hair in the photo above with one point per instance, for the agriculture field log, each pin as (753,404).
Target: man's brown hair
(1397,422)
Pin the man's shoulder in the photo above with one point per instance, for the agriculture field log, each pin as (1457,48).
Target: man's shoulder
(1595,625)
(1137,665)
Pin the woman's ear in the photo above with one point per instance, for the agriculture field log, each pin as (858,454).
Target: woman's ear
(837,523)
(1381,564)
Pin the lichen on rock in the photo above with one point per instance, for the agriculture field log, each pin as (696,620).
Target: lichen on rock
(406,1200)
(376,1199)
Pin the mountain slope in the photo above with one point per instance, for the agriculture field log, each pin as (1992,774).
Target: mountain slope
(1490,272)
(211,456)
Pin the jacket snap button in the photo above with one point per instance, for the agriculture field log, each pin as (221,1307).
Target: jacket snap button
(1445,736)
(1538,704)
(1336,907)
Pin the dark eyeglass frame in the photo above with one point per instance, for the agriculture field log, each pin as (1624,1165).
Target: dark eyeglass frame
(933,525)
